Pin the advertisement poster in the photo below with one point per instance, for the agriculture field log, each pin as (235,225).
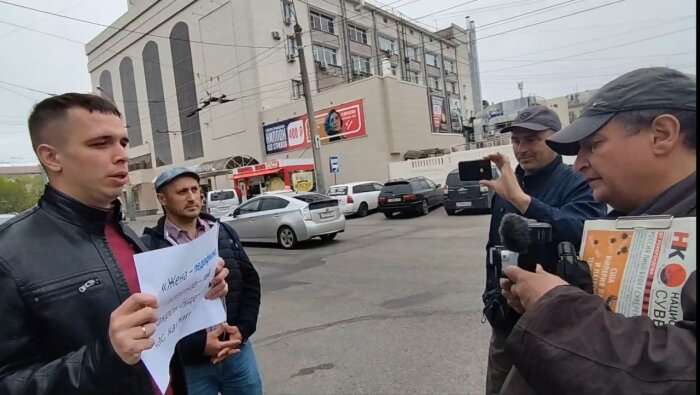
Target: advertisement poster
(342,122)
(438,112)
(641,271)
(456,115)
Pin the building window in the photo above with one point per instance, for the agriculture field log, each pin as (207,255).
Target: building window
(431,59)
(291,47)
(140,163)
(287,11)
(393,70)
(322,23)
(106,89)
(386,45)
(156,105)
(414,76)
(386,20)
(452,87)
(297,90)
(324,54)
(357,34)
(360,65)
(131,103)
(187,101)
(449,66)
(411,32)
(435,83)
(412,53)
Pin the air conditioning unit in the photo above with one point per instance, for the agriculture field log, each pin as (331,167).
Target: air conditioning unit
(287,20)
(291,58)
(357,73)
(276,35)
(322,65)
(388,52)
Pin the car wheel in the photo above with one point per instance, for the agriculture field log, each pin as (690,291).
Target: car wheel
(329,237)
(287,238)
(388,215)
(363,210)
(425,208)
(450,212)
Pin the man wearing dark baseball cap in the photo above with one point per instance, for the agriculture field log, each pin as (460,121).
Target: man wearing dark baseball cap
(636,143)
(542,188)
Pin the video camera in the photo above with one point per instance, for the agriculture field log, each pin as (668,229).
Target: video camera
(521,239)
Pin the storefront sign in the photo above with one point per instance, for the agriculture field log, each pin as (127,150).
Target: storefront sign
(342,122)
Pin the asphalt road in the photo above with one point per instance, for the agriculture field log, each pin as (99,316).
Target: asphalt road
(389,307)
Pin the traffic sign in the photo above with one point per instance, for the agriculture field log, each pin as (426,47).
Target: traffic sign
(335,164)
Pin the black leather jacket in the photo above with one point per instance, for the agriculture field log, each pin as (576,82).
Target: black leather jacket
(59,283)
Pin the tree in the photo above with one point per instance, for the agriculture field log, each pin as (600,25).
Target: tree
(19,193)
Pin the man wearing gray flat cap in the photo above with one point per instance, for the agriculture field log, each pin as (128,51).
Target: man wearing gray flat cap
(636,143)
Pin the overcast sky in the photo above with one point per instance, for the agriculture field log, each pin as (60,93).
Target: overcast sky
(552,58)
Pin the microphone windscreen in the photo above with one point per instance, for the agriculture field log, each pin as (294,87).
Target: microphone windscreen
(514,232)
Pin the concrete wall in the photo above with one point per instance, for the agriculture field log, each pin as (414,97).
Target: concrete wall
(437,168)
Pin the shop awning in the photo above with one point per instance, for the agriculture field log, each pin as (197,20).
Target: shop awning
(256,173)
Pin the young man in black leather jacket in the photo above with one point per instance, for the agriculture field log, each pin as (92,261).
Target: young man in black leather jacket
(74,320)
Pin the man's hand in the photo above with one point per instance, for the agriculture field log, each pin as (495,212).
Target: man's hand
(131,326)
(218,288)
(233,334)
(507,186)
(214,346)
(524,289)
(511,298)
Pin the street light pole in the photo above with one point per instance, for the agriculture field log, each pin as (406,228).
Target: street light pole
(315,140)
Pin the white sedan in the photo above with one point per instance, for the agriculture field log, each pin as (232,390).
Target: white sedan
(287,218)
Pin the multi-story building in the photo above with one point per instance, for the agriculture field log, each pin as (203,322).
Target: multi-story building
(216,86)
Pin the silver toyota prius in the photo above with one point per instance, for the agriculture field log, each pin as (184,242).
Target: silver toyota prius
(287,218)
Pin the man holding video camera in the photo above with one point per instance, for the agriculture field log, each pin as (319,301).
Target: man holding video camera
(636,143)
(541,188)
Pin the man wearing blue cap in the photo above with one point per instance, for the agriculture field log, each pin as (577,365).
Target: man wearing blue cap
(636,144)
(219,360)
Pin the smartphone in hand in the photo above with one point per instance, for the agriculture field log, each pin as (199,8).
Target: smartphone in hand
(475,170)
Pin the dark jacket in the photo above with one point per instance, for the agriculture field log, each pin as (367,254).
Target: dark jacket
(561,198)
(571,343)
(54,332)
(243,298)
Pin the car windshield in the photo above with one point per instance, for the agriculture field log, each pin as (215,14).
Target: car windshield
(310,197)
(338,191)
(223,195)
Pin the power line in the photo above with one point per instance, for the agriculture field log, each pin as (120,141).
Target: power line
(27,88)
(550,20)
(126,30)
(590,52)
(539,10)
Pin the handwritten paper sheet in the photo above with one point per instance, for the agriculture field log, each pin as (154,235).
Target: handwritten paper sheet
(179,277)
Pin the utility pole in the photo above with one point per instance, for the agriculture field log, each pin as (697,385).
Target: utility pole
(315,140)
(520,87)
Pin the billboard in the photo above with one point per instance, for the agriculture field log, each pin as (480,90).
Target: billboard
(456,115)
(342,122)
(438,112)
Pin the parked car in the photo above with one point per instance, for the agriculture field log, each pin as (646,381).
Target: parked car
(221,202)
(287,218)
(357,198)
(466,195)
(414,195)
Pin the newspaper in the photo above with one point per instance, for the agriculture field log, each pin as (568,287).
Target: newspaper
(640,268)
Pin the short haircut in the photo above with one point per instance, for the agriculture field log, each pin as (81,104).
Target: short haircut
(633,121)
(55,108)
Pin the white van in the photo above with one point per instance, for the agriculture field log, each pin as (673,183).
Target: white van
(222,201)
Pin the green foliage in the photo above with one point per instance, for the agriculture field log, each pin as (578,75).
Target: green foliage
(19,193)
